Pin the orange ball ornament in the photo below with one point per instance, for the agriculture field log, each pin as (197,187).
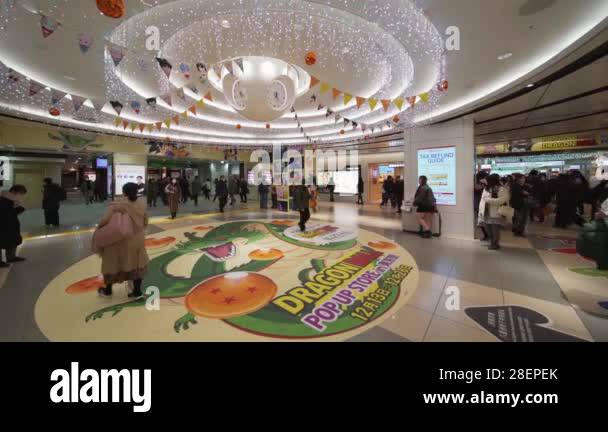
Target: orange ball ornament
(238,126)
(342,132)
(396,119)
(111,8)
(311,58)
(54,111)
(443,86)
(267,125)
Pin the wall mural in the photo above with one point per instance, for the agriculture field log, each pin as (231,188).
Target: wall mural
(243,280)
(76,142)
(169,149)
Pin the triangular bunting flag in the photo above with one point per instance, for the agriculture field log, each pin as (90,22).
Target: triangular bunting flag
(168,123)
(35,87)
(117,53)
(320,107)
(165,66)
(373,129)
(228,66)
(150,127)
(151,102)
(399,103)
(346,122)
(57,95)
(185,114)
(355,125)
(159,125)
(338,117)
(347,98)
(335,92)
(363,127)
(372,103)
(411,100)
(77,102)
(117,106)
(218,70)
(167,99)
(386,104)
(313,81)
(133,126)
(125,123)
(14,76)
(180,94)
(325,88)
(98,104)
(117,121)
(48,25)
(360,101)
(200,104)
(425,97)
(193,89)
(193,109)
(209,96)
(142,127)
(176,120)
(239,63)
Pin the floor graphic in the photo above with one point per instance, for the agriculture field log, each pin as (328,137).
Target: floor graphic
(509,323)
(242,280)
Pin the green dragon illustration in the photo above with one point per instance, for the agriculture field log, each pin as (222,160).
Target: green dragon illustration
(219,245)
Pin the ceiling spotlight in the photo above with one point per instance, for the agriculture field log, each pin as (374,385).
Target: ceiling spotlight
(226,24)
(505,56)
(530,85)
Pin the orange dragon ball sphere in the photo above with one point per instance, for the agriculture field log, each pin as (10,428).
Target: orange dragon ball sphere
(54,111)
(231,295)
(85,285)
(311,58)
(266,255)
(382,245)
(238,126)
(396,119)
(342,132)
(158,243)
(111,8)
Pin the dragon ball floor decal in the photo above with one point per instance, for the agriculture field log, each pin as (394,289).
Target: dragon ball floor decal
(239,281)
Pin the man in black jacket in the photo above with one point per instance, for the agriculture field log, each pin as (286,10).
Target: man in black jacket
(221,192)
(10,228)
(52,195)
(519,194)
(301,200)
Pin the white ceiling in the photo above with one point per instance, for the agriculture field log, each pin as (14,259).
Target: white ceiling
(361,48)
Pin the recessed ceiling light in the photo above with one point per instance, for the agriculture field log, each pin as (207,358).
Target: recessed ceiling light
(71,78)
(226,24)
(530,85)
(505,56)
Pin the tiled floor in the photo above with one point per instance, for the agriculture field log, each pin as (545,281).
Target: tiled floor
(519,274)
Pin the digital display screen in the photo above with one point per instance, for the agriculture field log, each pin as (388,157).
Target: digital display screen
(345,181)
(102,163)
(439,167)
(130,174)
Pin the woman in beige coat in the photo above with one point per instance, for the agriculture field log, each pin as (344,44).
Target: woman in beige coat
(174,195)
(126,259)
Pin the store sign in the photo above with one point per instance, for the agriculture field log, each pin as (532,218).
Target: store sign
(551,143)
(130,174)
(439,167)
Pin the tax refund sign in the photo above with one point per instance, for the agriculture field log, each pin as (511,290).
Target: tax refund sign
(439,167)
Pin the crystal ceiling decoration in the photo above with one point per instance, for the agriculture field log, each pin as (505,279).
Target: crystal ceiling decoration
(376,63)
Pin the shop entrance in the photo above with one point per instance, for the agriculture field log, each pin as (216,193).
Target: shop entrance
(378,173)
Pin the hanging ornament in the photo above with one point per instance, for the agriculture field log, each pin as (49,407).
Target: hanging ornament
(117,53)
(56,96)
(165,66)
(341,131)
(117,106)
(311,58)
(85,41)
(54,111)
(136,106)
(185,70)
(111,8)
(238,126)
(267,125)
(35,87)
(151,102)
(77,102)
(443,86)
(48,26)
(396,119)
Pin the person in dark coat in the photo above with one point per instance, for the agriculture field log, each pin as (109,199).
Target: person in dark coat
(196,188)
(263,192)
(301,200)
(152,192)
(52,195)
(360,189)
(387,190)
(399,193)
(185,189)
(565,210)
(520,191)
(244,190)
(221,192)
(10,227)
(331,188)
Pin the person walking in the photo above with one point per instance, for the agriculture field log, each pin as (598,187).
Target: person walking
(184,189)
(233,188)
(207,189)
(263,193)
(196,188)
(399,193)
(221,192)
(52,195)
(360,189)
(424,201)
(314,198)
(480,185)
(387,190)
(494,196)
(244,190)
(84,189)
(152,192)
(520,197)
(275,197)
(127,259)
(331,187)
(301,200)
(10,228)
(173,194)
